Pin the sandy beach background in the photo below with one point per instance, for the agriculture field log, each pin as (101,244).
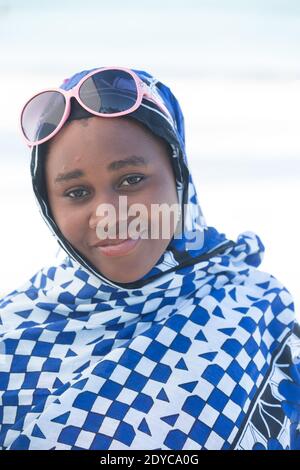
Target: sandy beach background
(234,68)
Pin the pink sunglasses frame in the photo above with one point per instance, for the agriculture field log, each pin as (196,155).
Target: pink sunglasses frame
(143,90)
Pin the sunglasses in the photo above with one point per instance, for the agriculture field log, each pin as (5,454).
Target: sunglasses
(105,92)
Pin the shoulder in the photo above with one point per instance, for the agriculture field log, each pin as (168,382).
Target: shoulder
(17,306)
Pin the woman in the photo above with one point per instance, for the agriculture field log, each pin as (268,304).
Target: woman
(139,340)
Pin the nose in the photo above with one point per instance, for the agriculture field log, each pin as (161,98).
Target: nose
(102,213)
(108,214)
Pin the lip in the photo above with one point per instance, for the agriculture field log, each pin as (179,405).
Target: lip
(117,248)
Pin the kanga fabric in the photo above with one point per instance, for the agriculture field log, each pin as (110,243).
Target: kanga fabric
(201,353)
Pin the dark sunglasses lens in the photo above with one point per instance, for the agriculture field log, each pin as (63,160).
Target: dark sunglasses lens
(42,115)
(109,92)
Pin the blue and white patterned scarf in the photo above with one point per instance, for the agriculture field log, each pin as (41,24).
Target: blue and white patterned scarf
(201,353)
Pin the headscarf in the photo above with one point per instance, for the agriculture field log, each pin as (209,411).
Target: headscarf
(194,231)
(200,353)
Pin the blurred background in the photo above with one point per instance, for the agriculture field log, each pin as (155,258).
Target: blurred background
(234,66)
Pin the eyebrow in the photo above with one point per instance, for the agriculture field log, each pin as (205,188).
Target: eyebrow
(133,160)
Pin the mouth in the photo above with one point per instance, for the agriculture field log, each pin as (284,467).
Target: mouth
(117,247)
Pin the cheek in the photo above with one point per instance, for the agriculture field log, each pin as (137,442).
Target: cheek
(71,223)
(161,221)
(159,212)
(163,191)
(165,196)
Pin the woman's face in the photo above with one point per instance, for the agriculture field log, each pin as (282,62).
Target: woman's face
(91,163)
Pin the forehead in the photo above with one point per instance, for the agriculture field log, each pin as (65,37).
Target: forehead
(103,139)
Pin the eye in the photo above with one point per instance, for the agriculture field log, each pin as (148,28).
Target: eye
(78,193)
(132,180)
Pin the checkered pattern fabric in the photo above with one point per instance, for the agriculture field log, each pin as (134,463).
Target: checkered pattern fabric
(185,364)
